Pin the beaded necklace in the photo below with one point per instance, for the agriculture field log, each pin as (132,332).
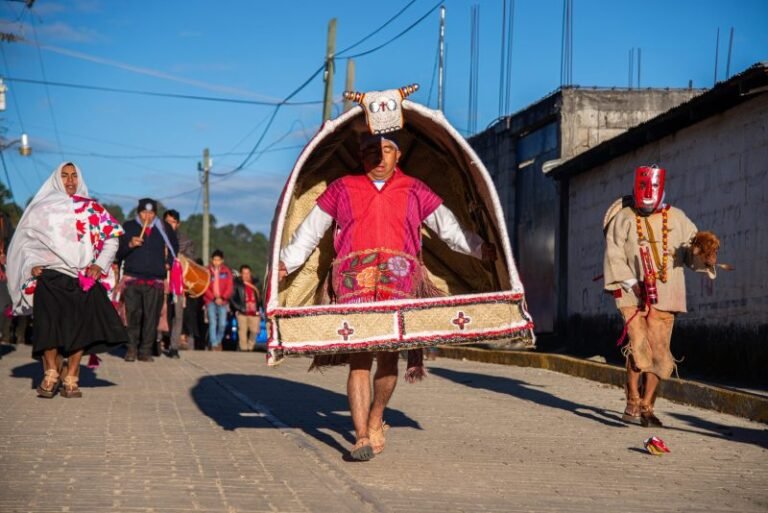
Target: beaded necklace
(662,275)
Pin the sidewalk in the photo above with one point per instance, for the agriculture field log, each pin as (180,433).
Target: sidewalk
(750,404)
(221,432)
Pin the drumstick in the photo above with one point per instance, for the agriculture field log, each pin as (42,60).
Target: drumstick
(143,229)
(725,267)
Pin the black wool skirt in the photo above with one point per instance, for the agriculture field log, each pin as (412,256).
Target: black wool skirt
(69,319)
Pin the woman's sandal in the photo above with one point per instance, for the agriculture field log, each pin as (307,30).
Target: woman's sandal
(647,417)
(47,388)
(70,389)
(362,451)
(377,438)
(632,413)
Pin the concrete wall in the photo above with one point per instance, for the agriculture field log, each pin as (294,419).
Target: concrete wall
(717,172)
(565,123)
(591,116)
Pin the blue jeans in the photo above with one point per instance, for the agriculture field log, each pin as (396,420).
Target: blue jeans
(217,322)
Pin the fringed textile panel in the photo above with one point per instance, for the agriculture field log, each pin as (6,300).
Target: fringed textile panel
(398,325)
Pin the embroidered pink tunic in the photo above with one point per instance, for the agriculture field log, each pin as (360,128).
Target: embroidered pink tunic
(378,237)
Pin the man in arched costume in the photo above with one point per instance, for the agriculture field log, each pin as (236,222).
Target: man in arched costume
(378,216)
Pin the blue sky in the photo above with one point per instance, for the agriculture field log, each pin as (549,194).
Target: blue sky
(260,50)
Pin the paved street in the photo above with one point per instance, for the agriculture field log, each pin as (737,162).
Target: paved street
(221,432)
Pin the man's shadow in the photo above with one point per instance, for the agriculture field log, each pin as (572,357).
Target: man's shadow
(5,349)
(523,390)
(312,409)
(34,372)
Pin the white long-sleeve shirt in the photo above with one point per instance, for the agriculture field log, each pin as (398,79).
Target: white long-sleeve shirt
(442,221)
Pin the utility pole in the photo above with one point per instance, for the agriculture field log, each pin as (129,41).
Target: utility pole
(204,168)
(329,69)
(349,84)
(441,66)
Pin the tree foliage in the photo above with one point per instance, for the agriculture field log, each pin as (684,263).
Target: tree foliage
(239,245)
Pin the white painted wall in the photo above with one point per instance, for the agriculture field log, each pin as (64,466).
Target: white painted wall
(717,172)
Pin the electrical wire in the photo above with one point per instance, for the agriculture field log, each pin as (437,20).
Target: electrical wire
(312,77)
(180,156)
(157,94)
(366,38)
(398,36)
(47,91)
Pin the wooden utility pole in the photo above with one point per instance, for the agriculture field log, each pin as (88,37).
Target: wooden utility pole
(329,69)
(205,168)
(349,84)
(441,68)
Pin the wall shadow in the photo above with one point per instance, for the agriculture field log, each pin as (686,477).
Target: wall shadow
(34,372)
(311,409)
(758,437)
(523,390)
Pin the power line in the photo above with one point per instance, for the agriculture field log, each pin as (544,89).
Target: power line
(179,156)
(47,91)
(312,77)
(155,93)
(398,36)
(366,38)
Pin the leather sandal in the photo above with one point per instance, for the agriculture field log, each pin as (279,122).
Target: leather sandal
(632,413)
(362,451)
(70,390)
(47,388)
(647,417)
(377,438)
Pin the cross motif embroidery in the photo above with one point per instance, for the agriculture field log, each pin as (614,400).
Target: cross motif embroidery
(345,331)
(461,320)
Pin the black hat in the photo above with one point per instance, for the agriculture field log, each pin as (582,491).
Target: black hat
(147,204)
(367,139)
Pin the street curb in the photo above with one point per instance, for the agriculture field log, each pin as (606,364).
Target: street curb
(732,402)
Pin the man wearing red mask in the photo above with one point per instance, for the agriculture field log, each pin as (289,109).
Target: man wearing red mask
(648,244)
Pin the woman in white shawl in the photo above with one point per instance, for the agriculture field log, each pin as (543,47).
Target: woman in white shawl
(64,245)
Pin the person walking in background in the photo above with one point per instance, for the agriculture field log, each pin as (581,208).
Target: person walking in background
(143,249)
(217,299)
(58,262)
(648,245)
(176,305)
(245,303)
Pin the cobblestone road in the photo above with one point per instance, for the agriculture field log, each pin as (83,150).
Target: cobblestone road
(221,432)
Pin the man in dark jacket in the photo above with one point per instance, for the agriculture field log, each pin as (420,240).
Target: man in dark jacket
(147,249)
(245,302)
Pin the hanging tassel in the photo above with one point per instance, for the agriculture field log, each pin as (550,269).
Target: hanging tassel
(416,370)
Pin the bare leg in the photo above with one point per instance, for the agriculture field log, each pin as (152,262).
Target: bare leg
(48,386)
(359,391)
(633,379)
(651,382)
(73,364)
(72,376)
(384,382)
(632,411)
(49,359)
